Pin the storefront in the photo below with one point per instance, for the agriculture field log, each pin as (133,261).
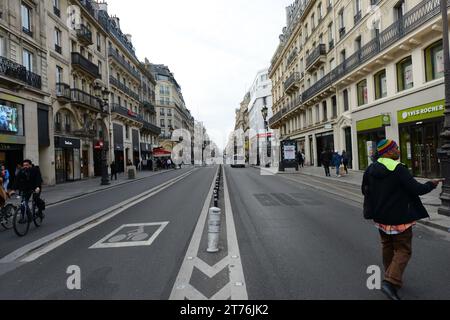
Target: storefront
(324,141)
(146,153)
(135,142)
(118,147)
(370,132)
(419,130)
(67,159)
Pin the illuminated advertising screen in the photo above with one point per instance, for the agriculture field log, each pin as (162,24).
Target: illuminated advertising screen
(8,118)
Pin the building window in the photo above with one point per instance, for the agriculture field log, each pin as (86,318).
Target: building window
(317,114)
(313,22)
(324,110)
(2,46)
(127,132)
(345,96)
(99,42)
(399,10)
(434,61)
(163,124)
(58,41)
(334,106)
(26,19)
(28,60)
(362,92)
(319,11)
(169,122)
(59,74)
(405,74)
(341,23)
(380,85)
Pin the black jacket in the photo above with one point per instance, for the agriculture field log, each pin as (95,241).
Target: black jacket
(391,197)
(29,179)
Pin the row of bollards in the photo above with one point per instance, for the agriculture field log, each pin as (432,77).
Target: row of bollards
(214,217)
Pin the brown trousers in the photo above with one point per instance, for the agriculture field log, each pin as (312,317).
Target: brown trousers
(397,250)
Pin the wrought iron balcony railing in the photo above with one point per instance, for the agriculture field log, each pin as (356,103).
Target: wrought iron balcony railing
(357,17)
(122,87)
(320,50)
(124,63)
(86,65)
(291,57)
(151,127)
(63,91)
(84,34)
(115,107)
(17,71)
(86,99)
(291,81)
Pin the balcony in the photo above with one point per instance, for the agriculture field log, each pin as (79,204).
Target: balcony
(126,113)
(292,83)
(58,49)
(85,65)
(84,35)
(330,45)
(57,11)
(316,58)
(122,62)
(357,17)
(122,87)
(16,71)
(151,127)
(84,99)
(413,19)
(341,32)
(27,31)
(149,106)
(291,57)
(63,93)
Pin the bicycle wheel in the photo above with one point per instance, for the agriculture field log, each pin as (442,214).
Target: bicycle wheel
(8,213)
(21,222)
(36,218)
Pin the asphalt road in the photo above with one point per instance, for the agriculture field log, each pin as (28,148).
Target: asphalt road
(300,243)
(138,272)
(295,243)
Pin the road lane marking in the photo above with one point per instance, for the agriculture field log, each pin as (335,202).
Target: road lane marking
(237,272)
(41,246)
(137,236)
(235,289)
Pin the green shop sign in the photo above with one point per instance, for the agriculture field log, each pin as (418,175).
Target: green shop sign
(426,111)
(373,123)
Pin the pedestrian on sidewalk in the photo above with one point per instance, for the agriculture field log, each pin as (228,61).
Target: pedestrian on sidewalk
(5,177)
(303,158)
(113,166)
(325,157)
(391,200)
(337,161)
(345,161)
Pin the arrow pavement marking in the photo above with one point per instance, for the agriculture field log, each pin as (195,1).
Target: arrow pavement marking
(235,288)
(44,245)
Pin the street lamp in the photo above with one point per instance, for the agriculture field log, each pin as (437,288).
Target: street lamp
(265,112)
(444,152)
(103,95)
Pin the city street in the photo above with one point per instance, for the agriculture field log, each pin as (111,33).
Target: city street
(292,242)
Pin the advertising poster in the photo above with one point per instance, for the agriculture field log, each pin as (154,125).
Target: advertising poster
(289,152)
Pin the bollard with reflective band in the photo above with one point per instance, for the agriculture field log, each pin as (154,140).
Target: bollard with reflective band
(213,229)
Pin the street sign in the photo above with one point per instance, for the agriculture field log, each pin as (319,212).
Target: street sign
(131,235)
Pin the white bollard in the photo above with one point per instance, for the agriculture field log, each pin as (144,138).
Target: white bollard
(213,229)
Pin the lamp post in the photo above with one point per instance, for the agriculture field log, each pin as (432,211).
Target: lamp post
(103,95)
(444,152)
(264,112)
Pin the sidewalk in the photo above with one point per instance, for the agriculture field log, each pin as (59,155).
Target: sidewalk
(61,192)
(431,201)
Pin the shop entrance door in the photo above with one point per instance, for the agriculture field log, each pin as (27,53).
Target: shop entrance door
(425,140)
(85,169)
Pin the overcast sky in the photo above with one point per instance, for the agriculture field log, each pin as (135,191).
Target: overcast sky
(213,47)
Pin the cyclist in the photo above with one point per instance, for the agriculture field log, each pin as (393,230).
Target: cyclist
(29,183)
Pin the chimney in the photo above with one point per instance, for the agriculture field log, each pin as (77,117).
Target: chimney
(128,37)
(116,21)
(103,6)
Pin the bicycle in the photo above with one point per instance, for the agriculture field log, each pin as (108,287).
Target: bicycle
(23,216)
(6,215)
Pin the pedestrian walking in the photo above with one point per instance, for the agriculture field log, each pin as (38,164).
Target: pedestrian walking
(337,161)
(326,160)
(168,163)
(303,158)
(5,177)
(345,161)
(114,170)
(391,200)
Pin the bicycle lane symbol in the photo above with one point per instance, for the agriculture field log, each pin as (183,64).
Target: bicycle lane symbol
(131,235)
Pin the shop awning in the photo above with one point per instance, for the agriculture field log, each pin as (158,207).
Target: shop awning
(160,152)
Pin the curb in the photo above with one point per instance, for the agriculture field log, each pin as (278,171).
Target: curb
(103,189)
